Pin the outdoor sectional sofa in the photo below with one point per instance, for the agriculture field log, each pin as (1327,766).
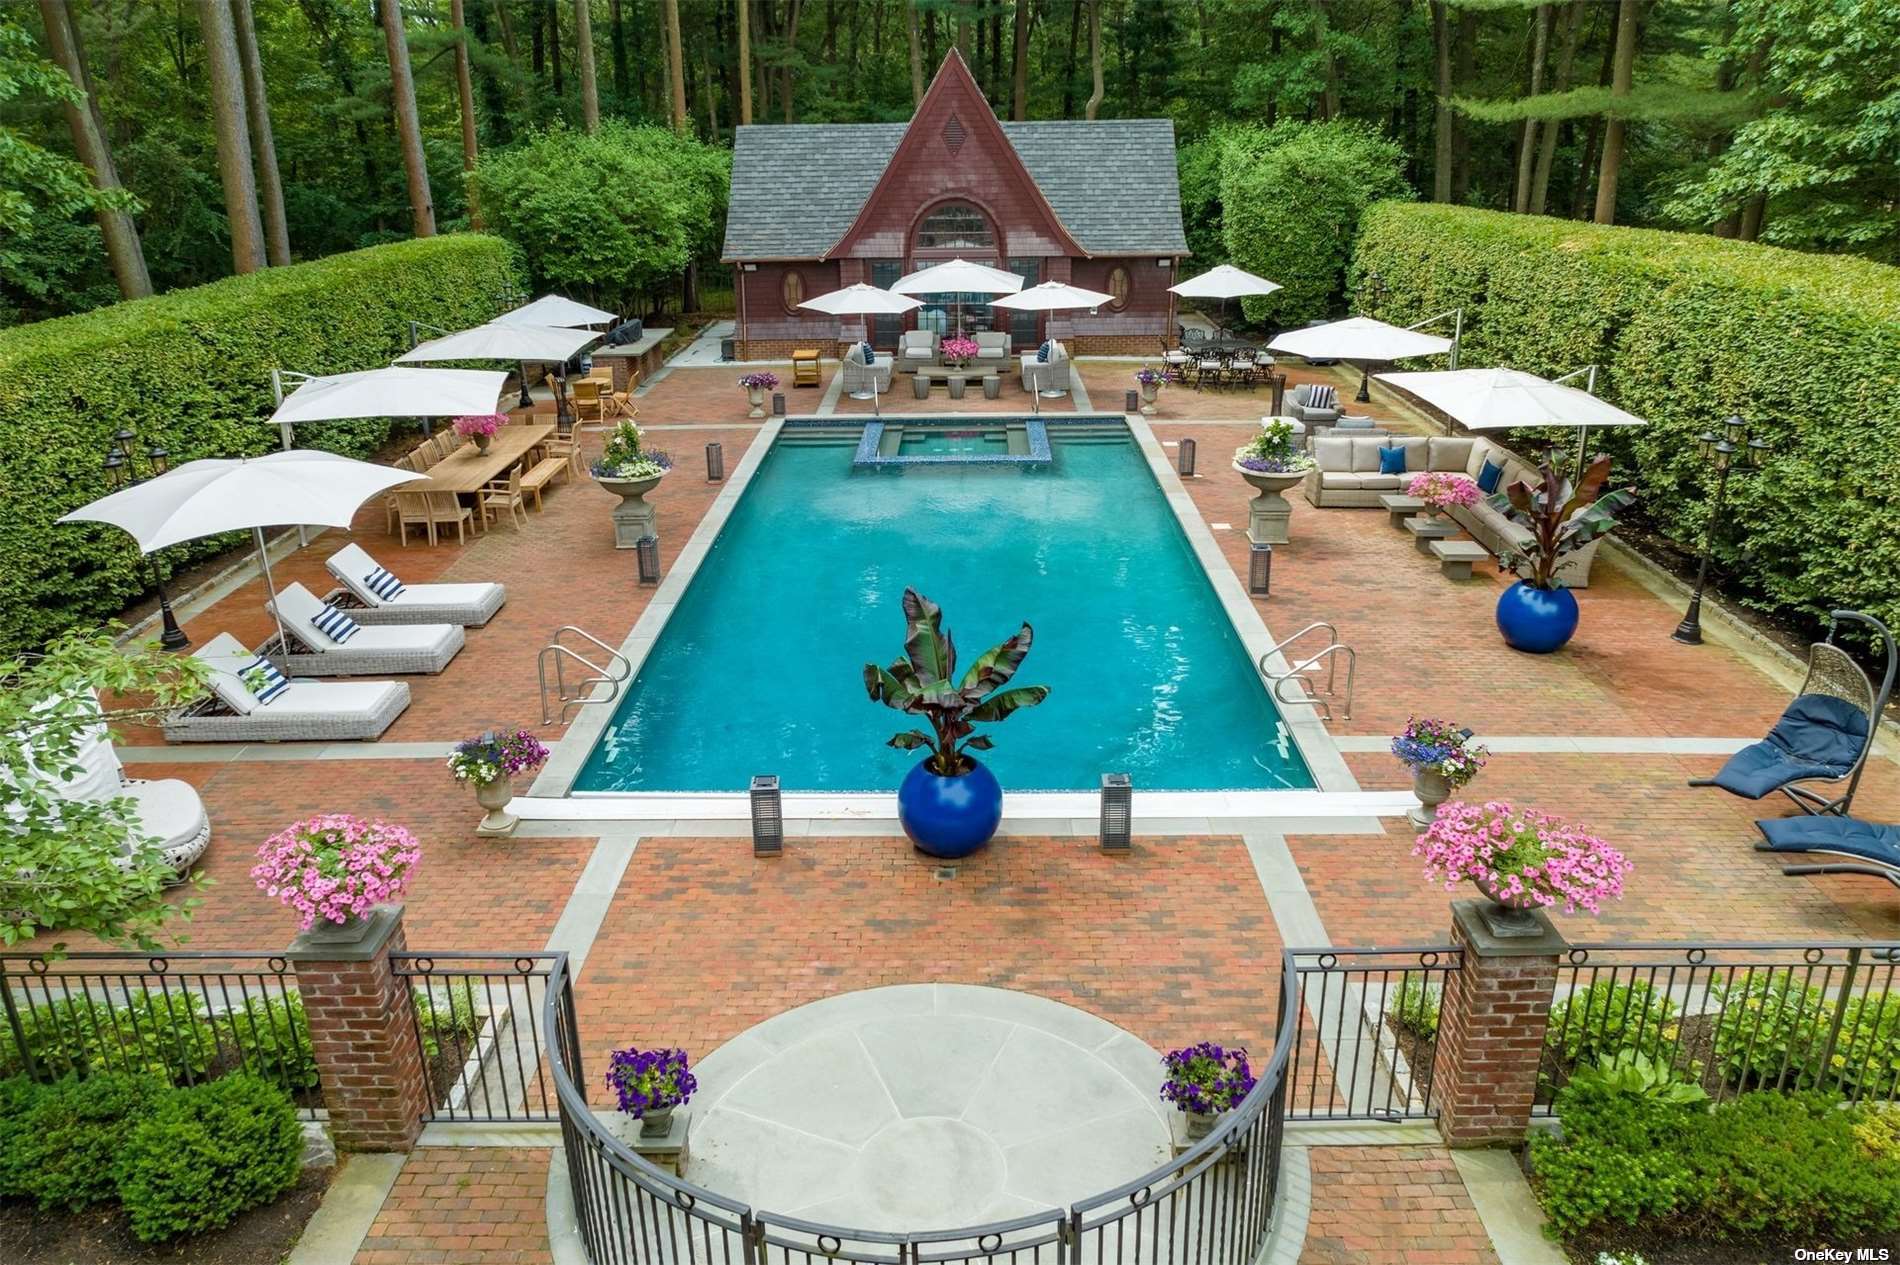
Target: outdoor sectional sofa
(1346,475)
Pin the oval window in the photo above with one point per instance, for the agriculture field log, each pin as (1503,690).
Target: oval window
(1118,286)
(792,289)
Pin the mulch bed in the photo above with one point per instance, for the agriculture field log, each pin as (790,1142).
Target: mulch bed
(1418,1052)
(1660,1248)
(100,1236)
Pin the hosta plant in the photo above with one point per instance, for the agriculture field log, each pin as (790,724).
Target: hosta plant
(1562,518)
(924,683)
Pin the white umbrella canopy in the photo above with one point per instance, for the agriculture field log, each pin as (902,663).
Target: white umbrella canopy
(1224,282)
(959,276)
(1492,399)
(1052,296)
(556,310)
(392,392)
(861,300)
(499,340)
(1359,338)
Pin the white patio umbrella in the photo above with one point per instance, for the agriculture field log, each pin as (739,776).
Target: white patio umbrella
(220,494)
(1052,296)
(1359,339)
(959,276)
(396,391)
(1224,282)
(556,310)
(1493,399)
(500,340)
(861,300)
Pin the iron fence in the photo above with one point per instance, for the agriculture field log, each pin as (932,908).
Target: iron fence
(475,1021)
(1731,1017)
(1361,1027)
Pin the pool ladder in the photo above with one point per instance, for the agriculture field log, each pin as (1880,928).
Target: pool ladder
(1305,673)
(557,653)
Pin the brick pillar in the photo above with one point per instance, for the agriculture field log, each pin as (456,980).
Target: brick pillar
(363,1034)
(1491,1026)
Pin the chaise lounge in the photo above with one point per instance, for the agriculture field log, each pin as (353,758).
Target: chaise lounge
(167,811)
(372,595)
(282,711)
(322,644)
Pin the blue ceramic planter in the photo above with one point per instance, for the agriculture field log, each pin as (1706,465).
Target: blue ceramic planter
(1536,620)
(950,816)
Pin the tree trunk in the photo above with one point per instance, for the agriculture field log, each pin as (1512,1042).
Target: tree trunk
(1068,74)
(1754,211)
(123,250)
(465,93)
(554,46)
(791,53)
(711,101)
(402,98)
(1441,116)
(1019,81)
(584,56)
(916,54)
(1095,60)
(1464,59)
(539,40)
(996,57)
(1547,148)
(745,61)
(1612,166)
(675,67)
(617,40)
(226,78)
(1527,144)
(508,33)
(270,188)
(1329,70)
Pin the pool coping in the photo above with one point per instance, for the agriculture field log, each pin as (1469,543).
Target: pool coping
(554,786)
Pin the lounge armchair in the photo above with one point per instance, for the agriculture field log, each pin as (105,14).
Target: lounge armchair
(470,605)
(1867,847)
(861,376)
(917,347)
(1824,735)
(1046,376)
(992,350)
(322,646)
(1314,404)
(301,711)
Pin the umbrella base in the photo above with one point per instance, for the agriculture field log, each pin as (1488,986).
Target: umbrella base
(860,395)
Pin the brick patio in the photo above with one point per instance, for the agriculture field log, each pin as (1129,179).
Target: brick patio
(464,1206)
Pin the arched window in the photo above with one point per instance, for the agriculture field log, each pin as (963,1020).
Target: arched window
(1118,286)
(955,226)
(792,289)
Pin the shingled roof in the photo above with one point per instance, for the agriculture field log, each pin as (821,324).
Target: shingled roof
(797,187)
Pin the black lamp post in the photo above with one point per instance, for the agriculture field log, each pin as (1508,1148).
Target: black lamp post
(1722,449)
(1371,298)
(122,471)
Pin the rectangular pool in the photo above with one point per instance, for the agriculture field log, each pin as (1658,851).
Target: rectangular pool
(760,667)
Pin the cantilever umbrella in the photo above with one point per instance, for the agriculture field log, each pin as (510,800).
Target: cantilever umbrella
(1052,296)
(220,494)
(862,300)
(499,340)
(556,310)
(1493,399)
(1361,340)
(1224,282)
(396,391)
(960,277)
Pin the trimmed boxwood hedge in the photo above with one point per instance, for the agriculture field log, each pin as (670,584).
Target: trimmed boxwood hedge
(191,370)
(1688,330)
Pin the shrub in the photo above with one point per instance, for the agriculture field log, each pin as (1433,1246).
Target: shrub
(452,1015)
(161,1034)
(1689,329)
(1773,1031)
(1616,1160)
(1414,1007)
(1609,1018)
(205,1154)
(1878,1131)
(273,1039)
(191,370)
(71,1135)
(18,1096)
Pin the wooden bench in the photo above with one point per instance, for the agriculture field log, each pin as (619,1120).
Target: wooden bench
(551,468)
(1456,556)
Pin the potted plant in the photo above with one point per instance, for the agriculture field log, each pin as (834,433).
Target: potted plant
(649,1084)
(756,385)
(1520,860)
(479,427)
(630,472)
(1151,381)
(334,869)
(1442,490)
(949,803)
(1538,614)
(1442,759)
(489,763)
(1203,1081)
(1271,462)
(959,351)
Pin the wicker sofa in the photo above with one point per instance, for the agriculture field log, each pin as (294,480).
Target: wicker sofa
(1346,475)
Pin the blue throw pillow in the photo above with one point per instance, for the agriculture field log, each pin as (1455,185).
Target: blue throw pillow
(1391,461)
(1489,476)
(870,356)
(1042,354)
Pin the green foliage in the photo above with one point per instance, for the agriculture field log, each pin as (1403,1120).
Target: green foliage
(1773,1031)
(1291,197)
(205,1154)
(1878,1131)
(31,175)
(1634,1073)
(69,1138)
(1414,1007)
(191,370)
(612,217)
(451,1016)
(159,1034)
(1609,1018)
(1617,1160)
(18,1097)
(272,1039)
(1689,330)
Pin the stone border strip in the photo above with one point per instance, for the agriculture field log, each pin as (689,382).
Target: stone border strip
(1506,1207)
(1292,1209)
(349,1208)
(1555,745)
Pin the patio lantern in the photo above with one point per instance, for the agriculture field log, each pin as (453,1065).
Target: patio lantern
(1721,451)
(1184,462)
(1277,381)
(1131,401)
(649,550)
(768,819)
(1117,811)
(778,404)
(1259,568)
(715,462)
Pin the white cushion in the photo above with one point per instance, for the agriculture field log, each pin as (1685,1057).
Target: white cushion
(443,594)
(1415,451)
(1365,455)
(1382,482)
(1336,479)
(328,698)
(1333,454)
(226,656)
(1449,453)
(170,811)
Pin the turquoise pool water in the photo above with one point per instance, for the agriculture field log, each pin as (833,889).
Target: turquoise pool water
(759,670)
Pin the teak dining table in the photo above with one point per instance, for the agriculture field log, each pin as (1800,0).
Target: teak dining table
(465,470)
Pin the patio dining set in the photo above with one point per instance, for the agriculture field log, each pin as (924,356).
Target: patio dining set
(1216,362)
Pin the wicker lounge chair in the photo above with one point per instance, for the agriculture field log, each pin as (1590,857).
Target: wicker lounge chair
(1314,404)
(372,650)
(917,347)
(304,711)
(470,605)
(992,350)
(860,375)
(1051,375)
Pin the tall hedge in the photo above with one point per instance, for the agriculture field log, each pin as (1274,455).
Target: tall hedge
(191,370)
(1689,330)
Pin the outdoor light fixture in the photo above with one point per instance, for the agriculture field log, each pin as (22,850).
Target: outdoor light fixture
(649,550)
(768,817)
(1117,811)
(1277,381)
(715,462)
(1164,263)
(1259,567)
(1131,401)
(122,471)
(1184,461)
(778,404)
(1722,450)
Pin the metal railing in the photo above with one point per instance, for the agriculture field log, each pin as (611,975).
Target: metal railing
(613,675)
(1211,1205)
(1305,673)
(1360,1027)
(476,1022)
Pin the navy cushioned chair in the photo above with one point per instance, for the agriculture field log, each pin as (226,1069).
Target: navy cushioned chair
(1865,846)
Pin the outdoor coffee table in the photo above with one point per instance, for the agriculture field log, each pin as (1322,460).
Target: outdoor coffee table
(1400,506)
(1456,556)
(1425,530)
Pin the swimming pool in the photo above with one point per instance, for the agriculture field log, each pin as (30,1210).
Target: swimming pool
(760,667)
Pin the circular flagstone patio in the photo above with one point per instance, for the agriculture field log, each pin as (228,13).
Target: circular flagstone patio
(929,1106)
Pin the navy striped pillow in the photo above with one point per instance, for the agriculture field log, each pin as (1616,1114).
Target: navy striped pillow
(383,584)
(1324,397)
(262,679)
(335,625)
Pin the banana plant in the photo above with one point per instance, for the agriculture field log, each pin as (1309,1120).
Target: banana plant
(923,683)
(1562,518)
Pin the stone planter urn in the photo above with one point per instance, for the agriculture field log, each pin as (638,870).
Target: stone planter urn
(495,797)
(1201,1123)
(1432,789)
(756,395)
(657,1124)
(1268,512)
(481,442)
(1507,916)
(1149,390)
(633,517)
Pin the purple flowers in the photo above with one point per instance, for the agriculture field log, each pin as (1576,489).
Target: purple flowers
(1437,746)
(1521,857)
(335,866)
(759,381)
(488,758)
(472,424)
(1275,450)
(1206,1078)
(1150,377)
(649,1080)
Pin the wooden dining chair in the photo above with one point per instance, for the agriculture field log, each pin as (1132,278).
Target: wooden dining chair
(505,494)
(588,404)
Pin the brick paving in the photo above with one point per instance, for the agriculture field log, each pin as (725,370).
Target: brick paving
(464,1206)
(1391,1205)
